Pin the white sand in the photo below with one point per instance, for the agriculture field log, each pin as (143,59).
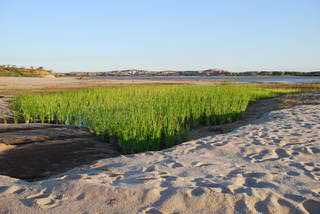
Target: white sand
(272,166)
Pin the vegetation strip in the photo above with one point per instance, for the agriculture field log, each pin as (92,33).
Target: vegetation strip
(141,118)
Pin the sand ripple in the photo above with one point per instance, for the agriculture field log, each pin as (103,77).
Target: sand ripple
(271,166)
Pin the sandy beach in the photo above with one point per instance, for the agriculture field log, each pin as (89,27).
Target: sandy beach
(16,85)
(269,166)
(268,162)
(159,107)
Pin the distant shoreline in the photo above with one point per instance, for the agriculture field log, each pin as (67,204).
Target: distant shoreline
(14,71)
(240,79)
(202,73)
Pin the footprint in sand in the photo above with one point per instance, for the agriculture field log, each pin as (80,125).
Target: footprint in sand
(268,155)
(309,169)
(171,163)
(241,207)
(255,183)
(199,145)
(43,199)
(151,169)
(15,190)
(198,191)
(199,164)
(312,206)
(274,204)
(3,188)
(315,150)
(289,206)
(293,173)
(45,202)
(163,174)
(151,210)
(174,164)
(81,196)
(294,197)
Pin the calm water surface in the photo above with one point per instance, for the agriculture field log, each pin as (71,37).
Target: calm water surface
(243,79)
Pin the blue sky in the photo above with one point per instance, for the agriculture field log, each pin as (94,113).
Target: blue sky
(96,35)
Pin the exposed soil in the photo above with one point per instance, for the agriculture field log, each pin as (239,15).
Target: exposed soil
(37,151)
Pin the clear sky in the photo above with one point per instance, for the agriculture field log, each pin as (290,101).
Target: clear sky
(76,35)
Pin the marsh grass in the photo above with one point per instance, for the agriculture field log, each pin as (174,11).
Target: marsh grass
(141,118)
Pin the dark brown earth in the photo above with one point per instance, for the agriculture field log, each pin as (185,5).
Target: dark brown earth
(37,151)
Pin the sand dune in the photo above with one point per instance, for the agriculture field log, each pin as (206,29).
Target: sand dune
(270,166)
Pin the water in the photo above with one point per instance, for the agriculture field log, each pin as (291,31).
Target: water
(242,79)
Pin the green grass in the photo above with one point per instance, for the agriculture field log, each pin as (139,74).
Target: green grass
(141,118)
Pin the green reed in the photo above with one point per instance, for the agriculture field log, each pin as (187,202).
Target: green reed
(141,118)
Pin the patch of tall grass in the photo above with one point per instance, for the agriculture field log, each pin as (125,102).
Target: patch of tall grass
(141,118)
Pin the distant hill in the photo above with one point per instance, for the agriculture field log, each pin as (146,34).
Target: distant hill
(279,73)
(208,72)
(13,71)
(145,73)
